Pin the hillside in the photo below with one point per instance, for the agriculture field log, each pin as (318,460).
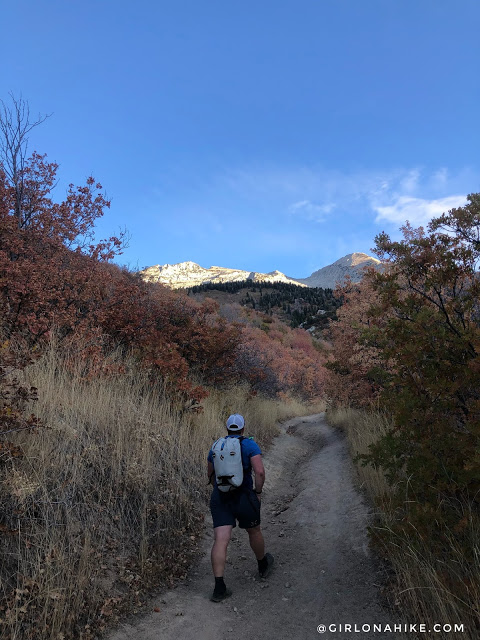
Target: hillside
(309,308)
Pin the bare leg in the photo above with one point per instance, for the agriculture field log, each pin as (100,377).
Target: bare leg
(219,550)
(256,542)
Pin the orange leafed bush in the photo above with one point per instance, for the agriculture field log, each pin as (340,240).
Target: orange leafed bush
(356,368)
(54,277)
(281,360)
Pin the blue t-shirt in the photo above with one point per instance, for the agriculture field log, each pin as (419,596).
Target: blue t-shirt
(249,448)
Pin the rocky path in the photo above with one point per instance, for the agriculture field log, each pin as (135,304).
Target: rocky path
(314,522)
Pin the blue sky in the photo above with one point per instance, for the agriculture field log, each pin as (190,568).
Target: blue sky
(258,135)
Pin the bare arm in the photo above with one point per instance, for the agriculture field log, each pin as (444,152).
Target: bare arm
(210,471)
(259,471)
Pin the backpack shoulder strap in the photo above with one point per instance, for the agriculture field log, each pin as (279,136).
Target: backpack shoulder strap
(241,439)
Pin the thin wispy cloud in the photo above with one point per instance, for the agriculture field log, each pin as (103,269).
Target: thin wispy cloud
(311,210)
(418,211)
(440,177)
(391,196)
(410,182)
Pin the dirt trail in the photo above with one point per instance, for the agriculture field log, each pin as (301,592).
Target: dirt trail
(314,522)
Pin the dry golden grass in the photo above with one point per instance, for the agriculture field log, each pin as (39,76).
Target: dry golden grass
(362,429)
(109,498)
(432,587)
(421,576)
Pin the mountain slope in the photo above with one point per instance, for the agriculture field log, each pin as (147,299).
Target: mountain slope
(351,265)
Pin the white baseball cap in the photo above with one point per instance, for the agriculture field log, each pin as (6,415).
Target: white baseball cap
(235,422)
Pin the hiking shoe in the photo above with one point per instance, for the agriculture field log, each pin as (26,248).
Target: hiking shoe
(270,560)
(218,597)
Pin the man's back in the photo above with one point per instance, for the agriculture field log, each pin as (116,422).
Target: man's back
(249,448)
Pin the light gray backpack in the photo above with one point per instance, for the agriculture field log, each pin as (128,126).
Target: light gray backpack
(227,462)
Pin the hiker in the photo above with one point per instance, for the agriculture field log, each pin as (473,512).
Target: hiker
(234,497)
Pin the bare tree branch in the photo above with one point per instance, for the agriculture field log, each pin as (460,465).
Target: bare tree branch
(15,125)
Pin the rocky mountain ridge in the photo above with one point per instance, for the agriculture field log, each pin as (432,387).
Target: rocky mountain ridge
(189,274)
(351,265)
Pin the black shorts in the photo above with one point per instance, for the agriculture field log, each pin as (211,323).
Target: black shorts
(242,505)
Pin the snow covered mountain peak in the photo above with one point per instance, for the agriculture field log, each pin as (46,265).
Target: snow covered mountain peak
(190,274)
(351,265)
